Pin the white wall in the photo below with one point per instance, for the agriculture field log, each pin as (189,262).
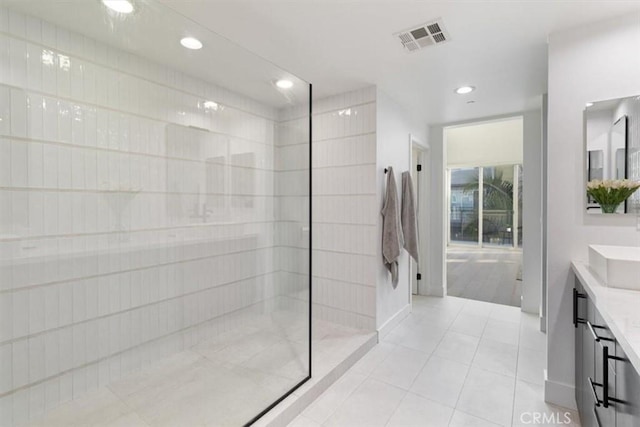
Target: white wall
(393,149)
(435,283)
(545,211)
(532,212)
(497,142)
(583,66)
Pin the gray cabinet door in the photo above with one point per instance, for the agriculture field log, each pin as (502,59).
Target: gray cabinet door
(604,371)
(579,307)
(587,416)
(628,391)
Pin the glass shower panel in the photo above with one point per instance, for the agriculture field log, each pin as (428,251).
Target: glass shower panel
(154,221)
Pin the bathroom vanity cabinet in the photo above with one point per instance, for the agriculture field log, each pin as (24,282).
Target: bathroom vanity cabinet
(607,384)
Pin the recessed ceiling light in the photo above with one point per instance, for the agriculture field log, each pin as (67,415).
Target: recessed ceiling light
(284,84)
(465,89)
(191,43)
(589,104)
(120,6)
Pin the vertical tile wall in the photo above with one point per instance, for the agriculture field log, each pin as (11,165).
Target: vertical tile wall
(292,207)
(135,220)
(345,206)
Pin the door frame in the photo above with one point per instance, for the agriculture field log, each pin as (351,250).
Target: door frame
(421,189)
(444,182)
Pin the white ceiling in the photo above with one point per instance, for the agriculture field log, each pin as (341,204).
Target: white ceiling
(153,33)
(499,46)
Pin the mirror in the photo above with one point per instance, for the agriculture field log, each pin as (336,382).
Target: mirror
(612,146)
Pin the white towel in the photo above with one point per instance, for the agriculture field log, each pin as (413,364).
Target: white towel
(408,217)
(391,228)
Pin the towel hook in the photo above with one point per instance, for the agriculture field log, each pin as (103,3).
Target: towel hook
(386,170)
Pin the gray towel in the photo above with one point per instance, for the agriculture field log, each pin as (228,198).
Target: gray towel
(391,228)
(408,217)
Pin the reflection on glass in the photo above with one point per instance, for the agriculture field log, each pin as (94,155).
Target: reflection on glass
(215,185)
(243,179)
(463,214)
(595,164)
(618,151)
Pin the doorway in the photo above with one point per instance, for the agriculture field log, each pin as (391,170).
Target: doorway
(483,226)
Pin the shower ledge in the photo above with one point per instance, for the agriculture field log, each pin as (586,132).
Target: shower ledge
(36,254)
(327,369)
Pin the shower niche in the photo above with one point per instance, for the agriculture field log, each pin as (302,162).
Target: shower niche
(154,256)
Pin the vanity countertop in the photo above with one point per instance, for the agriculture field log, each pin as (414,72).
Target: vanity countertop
(620,309)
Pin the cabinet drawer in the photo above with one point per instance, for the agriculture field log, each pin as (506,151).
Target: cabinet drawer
(627,391)
(605,407)
(579,310)
(607,384)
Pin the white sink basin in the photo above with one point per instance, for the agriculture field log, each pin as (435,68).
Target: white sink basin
(616,266)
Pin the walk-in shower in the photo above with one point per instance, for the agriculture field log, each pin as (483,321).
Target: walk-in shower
(154,220)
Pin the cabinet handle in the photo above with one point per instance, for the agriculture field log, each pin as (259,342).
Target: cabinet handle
(605,377)
(576,319)
(596,337)
(596,416)
(593,385)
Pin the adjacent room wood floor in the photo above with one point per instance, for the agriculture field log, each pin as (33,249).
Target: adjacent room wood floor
(485,274)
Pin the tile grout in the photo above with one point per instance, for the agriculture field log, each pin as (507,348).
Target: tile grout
(400,342)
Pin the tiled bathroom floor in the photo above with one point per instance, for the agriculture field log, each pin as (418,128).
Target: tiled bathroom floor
(216,383)
(451,362)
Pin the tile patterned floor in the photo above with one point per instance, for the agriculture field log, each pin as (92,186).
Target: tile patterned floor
(451,362)
(484,274)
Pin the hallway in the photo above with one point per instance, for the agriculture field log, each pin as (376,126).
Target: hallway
(485,274)
(451,362)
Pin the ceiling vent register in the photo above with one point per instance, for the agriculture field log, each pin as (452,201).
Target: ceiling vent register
(425,35)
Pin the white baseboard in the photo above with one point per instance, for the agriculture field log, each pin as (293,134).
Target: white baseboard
(559,394)
(394,321)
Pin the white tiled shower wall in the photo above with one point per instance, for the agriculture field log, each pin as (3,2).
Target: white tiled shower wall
(345,205)
(126,234)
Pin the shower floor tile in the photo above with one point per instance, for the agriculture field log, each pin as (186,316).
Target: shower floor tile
(220,382)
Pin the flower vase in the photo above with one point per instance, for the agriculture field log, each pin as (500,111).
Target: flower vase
(612,208)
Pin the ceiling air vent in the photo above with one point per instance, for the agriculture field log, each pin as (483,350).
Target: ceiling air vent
(424,35)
